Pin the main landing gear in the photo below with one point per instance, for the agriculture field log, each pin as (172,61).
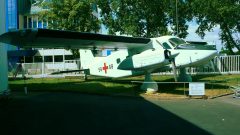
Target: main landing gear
(151,86)
(183,76)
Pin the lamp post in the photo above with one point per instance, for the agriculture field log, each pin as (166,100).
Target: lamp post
(177,17)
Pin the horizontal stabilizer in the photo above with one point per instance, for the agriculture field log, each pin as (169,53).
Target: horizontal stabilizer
(69,71)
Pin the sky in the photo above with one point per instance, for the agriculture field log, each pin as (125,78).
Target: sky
(211,37)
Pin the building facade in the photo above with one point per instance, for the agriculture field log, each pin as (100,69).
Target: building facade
(8,21)
(25,16)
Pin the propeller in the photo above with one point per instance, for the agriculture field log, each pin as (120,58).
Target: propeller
(171,58)
(174,68)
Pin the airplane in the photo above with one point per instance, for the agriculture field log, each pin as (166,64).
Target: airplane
(133,56)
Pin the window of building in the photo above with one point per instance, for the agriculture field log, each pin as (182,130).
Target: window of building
(28,59)
(30,22)
(21,59)
(69,57)
(40,24)
(35,22)
(48,59)
(38,59)
(12,14)
(25,21)
(44,24)
(58,58)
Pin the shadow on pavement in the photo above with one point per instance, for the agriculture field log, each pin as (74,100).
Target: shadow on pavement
(63,113)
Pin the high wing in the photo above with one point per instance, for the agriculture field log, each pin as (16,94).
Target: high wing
(46,38)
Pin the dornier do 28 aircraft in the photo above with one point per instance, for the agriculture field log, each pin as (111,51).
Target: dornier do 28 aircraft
(133,56)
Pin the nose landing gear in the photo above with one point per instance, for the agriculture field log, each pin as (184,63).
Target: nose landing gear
(149,85)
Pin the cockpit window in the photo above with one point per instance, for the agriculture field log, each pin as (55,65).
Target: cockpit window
(176,41)
(166,46)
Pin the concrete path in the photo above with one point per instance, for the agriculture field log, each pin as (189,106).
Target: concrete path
(75,114)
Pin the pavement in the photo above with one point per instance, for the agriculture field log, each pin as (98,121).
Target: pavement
(74,113)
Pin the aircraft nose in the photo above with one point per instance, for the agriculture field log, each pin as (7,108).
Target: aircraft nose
(195,55)
(201,57)
(212,53)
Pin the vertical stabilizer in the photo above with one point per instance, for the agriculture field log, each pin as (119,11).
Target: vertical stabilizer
(86,58)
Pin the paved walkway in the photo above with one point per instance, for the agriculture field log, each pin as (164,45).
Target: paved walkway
(73,113)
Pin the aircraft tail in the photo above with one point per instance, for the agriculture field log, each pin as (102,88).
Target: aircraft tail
(86,58)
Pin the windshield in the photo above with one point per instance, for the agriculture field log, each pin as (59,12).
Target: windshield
(176,41)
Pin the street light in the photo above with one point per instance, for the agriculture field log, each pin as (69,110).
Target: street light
(177,17)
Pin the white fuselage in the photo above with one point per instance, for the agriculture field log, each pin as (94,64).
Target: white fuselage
(120,64)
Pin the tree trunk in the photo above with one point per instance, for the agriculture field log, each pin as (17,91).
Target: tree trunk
(230,38)
(147,28)
(228,44)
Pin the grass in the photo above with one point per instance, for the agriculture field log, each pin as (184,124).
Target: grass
(71,85)
(215,85)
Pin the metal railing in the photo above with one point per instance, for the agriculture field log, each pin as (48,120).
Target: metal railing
(48,67)
(219,65)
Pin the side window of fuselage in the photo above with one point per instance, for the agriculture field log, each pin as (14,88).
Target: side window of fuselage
(118,60)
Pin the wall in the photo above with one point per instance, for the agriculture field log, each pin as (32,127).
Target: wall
(3,49)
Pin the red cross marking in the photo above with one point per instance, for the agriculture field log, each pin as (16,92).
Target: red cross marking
(105,68)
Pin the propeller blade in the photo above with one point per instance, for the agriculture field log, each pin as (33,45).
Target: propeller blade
(173,55)
(174,69)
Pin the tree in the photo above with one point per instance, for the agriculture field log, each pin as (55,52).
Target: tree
(148,18)
(138,18)
(74,15)
(225,13)
(179,13)
(142,18)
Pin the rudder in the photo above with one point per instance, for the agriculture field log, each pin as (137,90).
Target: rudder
(86,57)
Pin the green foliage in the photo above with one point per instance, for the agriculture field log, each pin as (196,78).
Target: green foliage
(74,15)
(225,13)
(148,18)
(225,52)
(142,18)
(24,6)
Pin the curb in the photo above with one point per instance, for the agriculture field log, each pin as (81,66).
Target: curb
(213,97)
